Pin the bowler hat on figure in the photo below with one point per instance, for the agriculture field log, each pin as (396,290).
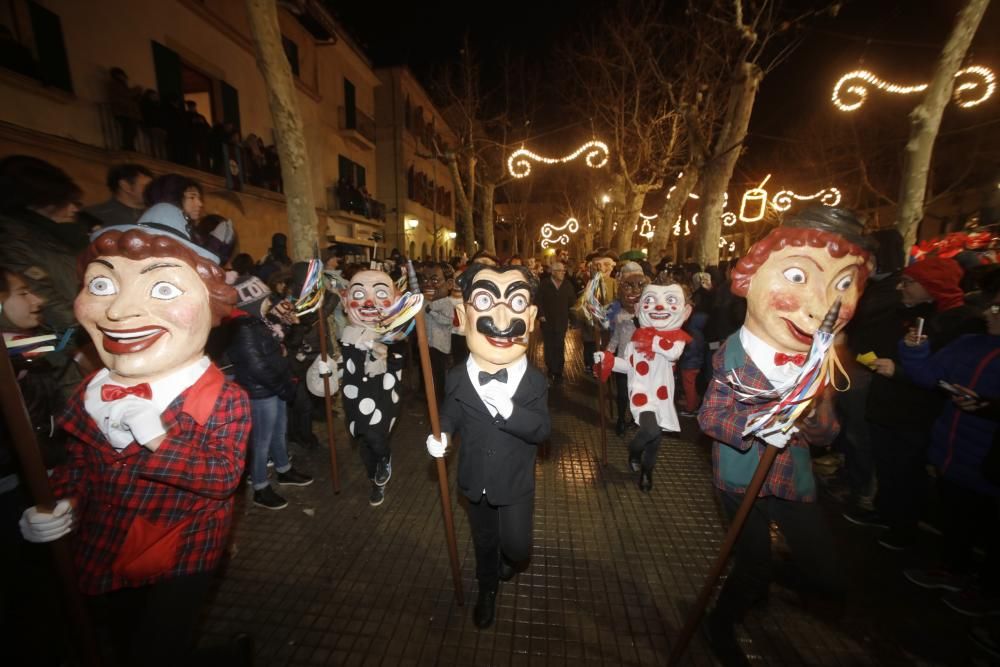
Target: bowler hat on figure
(163,220)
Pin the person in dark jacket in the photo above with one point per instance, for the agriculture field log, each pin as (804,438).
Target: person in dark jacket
(263,371)
(556,297)
(900,414)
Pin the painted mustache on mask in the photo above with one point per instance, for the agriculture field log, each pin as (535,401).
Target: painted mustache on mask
(487,327)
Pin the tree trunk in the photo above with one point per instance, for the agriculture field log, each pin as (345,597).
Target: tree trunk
(607,224)
(925,120)
(489,240)
(719,169)
(629,220)
(289,135)
(465,202)
(673,208)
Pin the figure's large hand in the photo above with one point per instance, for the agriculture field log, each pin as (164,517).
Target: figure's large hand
(497,399)
(40,527)
(779,439)
(437,448)
(141,417)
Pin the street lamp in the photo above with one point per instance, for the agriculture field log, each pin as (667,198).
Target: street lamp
(412,223)
(605,199)
(452,235)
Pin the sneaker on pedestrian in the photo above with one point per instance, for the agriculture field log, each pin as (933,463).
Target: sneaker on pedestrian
(294,478)
(864,517)
(688,413)
(937,579)
(897,539)
(376,496)
(268,499)
(973,601)
(383,470)
(987,641)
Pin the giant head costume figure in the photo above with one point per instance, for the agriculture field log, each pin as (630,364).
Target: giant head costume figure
(663,306)
(150,296)
(368,298)
(497,314)
(792,277)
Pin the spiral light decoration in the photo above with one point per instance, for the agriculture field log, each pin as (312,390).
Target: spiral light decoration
(976,84)
(549,237)
(783,200)
(519,162)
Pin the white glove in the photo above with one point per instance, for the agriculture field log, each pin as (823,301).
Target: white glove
(224,231)
(38,527)
(780,439)
(323,368)
(437,448)
(598,357)
(499,401)
(139,416)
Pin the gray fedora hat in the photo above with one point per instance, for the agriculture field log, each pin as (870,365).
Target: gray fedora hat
(163,220)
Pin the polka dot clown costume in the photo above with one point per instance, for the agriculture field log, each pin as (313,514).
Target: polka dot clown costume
(648,361)
(372,370)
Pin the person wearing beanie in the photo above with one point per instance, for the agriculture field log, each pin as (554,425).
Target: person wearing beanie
(900,414)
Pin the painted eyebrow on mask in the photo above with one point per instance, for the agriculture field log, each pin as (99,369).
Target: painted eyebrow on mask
(817,264)
(159,265)
(105,263)
(487,285)
(515,286)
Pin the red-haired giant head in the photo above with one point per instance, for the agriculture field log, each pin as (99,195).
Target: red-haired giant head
(793,275)
(150,296)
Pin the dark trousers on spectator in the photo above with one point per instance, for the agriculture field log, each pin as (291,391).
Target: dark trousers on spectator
(496,530)
(970,516)
(855,438)
(373,446)
(814,568)
(459,349)
(555,349)
(689,379)
(439,369)
(621,395)
(151,625)
(900,458)
(300,413)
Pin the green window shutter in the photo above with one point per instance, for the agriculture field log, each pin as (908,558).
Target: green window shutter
(359,172)
(53,65)
(230,105)
(167,64)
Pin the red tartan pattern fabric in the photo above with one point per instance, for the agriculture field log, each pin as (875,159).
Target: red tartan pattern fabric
(191,477)
(723,418)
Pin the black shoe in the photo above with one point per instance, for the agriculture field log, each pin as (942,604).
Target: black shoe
(721,638)
(620,427)
(646,480)
(241,650)
(268,499)
(898,539)
(863,517)
(507,570)
(634,462)
(294,478)
(376,496)
(383,470)
(486,608)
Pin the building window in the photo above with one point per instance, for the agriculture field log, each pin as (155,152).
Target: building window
(350,108)
(45,60)
(292,53)
(352,172)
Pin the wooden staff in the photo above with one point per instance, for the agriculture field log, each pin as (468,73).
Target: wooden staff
(327,398)
(442,467)
(34,474)
(735,528)
(598,339)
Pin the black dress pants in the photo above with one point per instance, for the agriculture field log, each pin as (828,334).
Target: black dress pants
(373,445)
(814,568)
(903,486)
(646,442)
(555,349)
(499,529)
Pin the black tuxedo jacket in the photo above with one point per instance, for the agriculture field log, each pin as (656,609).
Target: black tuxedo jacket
(497,454)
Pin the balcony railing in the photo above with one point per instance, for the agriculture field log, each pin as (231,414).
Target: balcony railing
(346,197)
(361,123)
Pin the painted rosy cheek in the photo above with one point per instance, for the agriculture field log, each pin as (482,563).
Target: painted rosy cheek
(785,303)
(355,304)
(673,307)
(386,303)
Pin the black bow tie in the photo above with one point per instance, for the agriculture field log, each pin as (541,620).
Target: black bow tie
(499,376)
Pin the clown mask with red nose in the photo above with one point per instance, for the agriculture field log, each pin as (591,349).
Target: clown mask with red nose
(663,307)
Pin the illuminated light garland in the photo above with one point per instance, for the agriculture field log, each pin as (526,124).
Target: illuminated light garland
(728,219)
(966,94)
(571,226)
(519,166)
(756,197)
(647,229)
(827,196)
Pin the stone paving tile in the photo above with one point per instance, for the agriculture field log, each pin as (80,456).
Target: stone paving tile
(332,581)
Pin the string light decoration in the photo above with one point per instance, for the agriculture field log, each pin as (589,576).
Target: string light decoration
(647,228)
(549,238)
(976,85)
(783,200)
(519,166)
(754,197)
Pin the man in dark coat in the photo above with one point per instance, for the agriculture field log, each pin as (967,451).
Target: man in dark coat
(498,404)
(556,297)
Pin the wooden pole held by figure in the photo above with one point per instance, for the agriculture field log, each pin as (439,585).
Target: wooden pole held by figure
(601,407)
(327,398)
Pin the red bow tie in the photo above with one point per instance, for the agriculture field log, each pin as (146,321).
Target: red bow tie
(780,359)
(112,392)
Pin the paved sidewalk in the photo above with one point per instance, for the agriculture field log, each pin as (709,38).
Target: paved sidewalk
(332,581)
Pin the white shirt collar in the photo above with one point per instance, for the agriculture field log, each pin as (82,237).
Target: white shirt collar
(165,391)
(762,356)
(515,372)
